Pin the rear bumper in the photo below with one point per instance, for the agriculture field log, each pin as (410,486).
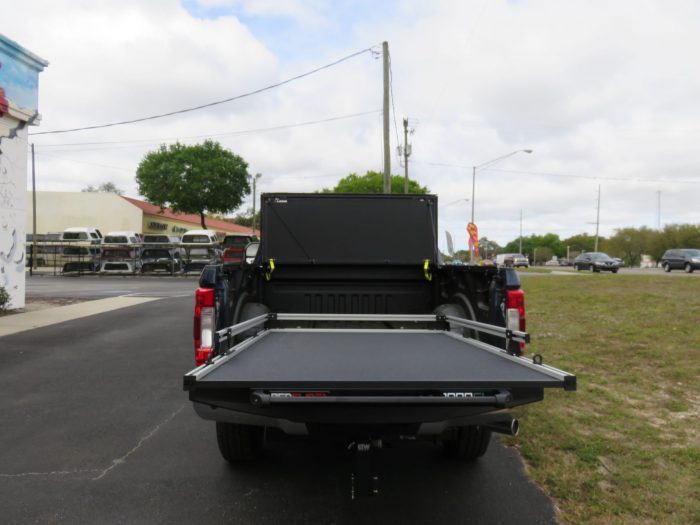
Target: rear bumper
(428,418)
(389,419)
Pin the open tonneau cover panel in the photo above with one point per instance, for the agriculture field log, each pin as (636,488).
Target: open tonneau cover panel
(356,361)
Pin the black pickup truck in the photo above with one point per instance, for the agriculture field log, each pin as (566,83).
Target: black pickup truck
(347,325)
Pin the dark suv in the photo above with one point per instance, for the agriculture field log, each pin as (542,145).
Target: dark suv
(596,262)
(683,259)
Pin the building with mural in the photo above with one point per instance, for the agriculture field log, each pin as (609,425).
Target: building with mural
(19,103)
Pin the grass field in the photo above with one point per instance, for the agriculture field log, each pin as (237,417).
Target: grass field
(624,448)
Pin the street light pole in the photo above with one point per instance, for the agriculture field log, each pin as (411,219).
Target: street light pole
(490,163)
(484,165)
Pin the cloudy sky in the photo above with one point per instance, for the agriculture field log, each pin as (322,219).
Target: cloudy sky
(606,94)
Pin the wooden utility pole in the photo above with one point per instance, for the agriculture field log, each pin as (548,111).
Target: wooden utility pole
(33,266)
(597,220)
(406,153)
(387,153)
(255,179)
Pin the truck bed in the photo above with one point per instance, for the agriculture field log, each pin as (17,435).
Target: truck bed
(332,359)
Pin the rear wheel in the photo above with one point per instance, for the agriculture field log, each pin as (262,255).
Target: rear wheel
(239,443)
(667,267)
(688,268)
(468,443)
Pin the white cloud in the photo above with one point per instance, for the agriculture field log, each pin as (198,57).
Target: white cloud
(597,89)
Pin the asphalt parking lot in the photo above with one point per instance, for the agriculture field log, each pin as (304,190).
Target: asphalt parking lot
(97,429)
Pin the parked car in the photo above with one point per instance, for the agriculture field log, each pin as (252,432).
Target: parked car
(595,262)
(166,259)
(512,259)
(234,247)
(681,259)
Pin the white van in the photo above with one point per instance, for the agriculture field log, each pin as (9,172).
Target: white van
(121,252)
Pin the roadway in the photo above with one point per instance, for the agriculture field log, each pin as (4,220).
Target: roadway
(96,428)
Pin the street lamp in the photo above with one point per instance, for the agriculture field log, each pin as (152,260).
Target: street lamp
(490,163)
(255,178)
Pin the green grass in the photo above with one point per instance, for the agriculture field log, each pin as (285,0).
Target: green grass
(624,448)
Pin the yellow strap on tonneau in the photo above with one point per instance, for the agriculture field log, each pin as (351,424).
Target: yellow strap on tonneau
(426,270)
(271,264)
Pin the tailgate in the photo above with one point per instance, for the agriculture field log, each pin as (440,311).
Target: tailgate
(316,365)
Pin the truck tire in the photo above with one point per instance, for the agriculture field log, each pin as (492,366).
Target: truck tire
(239,443)
(244,313)
(468,443)
(459,307)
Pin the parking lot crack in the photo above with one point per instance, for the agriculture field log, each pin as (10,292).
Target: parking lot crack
(55,473)
(122,459)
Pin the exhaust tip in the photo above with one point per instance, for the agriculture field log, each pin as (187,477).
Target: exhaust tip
(514,427)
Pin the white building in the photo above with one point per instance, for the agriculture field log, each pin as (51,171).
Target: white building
(19,89)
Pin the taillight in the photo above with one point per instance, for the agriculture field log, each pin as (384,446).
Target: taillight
(515,312)
(204,324)
(234,254)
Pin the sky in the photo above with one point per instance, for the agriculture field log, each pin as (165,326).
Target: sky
(605,94)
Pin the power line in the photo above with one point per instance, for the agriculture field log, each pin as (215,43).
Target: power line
(139,142)
(237,97)
(592,177)
(547,174)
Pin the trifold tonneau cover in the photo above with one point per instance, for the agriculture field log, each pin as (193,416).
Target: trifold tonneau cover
(355,361)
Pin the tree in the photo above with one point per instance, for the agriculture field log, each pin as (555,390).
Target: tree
(105,187)
(630,244)
(488,248)
(194,179)
(373,182)
(246,219)
(580,243)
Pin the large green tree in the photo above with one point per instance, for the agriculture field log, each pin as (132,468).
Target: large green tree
(373,182)
(194,179)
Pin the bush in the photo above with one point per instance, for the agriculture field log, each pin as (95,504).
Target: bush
(4,299)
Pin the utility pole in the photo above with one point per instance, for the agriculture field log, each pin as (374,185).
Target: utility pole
(658,216)
(406,154)
(387,154)
(33,266)
(521,232)
(597,220)
(255,179)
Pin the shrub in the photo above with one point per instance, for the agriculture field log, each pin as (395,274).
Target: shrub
(4,299)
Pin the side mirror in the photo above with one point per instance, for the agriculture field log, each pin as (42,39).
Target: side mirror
(251,251)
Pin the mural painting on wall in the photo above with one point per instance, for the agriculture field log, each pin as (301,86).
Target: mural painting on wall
(19,96)
(11,254)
